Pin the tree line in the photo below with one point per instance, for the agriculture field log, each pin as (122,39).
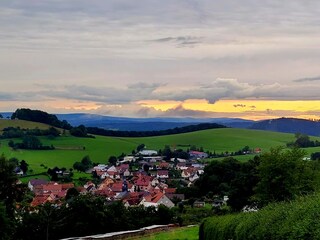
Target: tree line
(177,130)
(278,175)
(82,131)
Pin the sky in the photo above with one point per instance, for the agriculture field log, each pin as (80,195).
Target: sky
(170,58)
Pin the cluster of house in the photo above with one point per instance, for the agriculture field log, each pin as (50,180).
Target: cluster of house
(45,191)
(145,185)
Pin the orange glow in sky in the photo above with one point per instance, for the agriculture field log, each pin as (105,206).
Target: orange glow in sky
(248,109)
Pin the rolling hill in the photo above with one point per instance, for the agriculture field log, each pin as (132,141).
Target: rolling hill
(289,125)
(4,123)
(71,149)
(145,124)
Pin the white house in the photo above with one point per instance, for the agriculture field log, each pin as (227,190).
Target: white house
(148,152)
(156,200)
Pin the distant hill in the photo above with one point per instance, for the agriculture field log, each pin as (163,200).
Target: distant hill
(146,124)
(289,125)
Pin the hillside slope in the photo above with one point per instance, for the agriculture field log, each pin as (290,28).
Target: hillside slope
(289,125)
(71,149)
(4,123)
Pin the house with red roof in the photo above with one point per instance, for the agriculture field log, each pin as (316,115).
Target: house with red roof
(143,182)
(163,174)
(36,182)
(156,199)
(42,199)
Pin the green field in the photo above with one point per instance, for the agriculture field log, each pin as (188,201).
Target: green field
(185,233)
(71,149)
(4,123)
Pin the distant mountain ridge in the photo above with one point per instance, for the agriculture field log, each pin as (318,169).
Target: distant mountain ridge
(146,124)
(286,125)
(289,125)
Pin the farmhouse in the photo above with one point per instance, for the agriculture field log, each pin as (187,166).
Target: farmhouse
(196,154)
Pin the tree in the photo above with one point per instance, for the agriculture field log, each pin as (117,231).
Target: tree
(6,224)
(167,153)
(315,156)
(8,190)
(140,147)
(31,142)
(283,175)
(79,166)
(112,160)
(84,165)
(146,168)
(72,193)
(24,166)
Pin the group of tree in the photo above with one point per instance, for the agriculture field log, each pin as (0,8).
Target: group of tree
(60,174)
(303,141)
(84,165)
(83,215)
(80,131)
(10,194)
(274,176)
(29,142)
(17,132)
(40,116)
(177,130)
(167,153)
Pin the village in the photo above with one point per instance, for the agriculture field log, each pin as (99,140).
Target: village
(145,178)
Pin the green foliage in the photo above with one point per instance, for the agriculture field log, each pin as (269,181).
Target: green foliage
(84,165)
(29,142)
(112,160)
(84,215)
(39,116)
(186,129)
(6,224)
(8,191)
(140,147)
(284,175)
(303,141)
(80,131)
(297,219)
(315,156)
(231,178)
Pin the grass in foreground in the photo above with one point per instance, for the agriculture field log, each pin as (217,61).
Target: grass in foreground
(185,233)
(298,219)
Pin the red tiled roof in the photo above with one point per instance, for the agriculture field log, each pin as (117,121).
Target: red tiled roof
(143,180)
(52,187)
(154,197)
(162,172)
(66,186)
(170,190)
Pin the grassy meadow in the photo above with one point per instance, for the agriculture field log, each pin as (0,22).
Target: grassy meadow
(70,149)
(4,123)
(185,233)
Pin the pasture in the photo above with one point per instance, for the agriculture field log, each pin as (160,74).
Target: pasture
(70,149)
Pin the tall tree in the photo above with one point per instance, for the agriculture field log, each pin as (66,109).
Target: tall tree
(283,175)
(8,190)
(24,166)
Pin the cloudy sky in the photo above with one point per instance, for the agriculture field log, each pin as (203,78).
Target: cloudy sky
(145,58)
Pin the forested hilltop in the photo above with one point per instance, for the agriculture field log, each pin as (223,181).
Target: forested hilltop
(82,131)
